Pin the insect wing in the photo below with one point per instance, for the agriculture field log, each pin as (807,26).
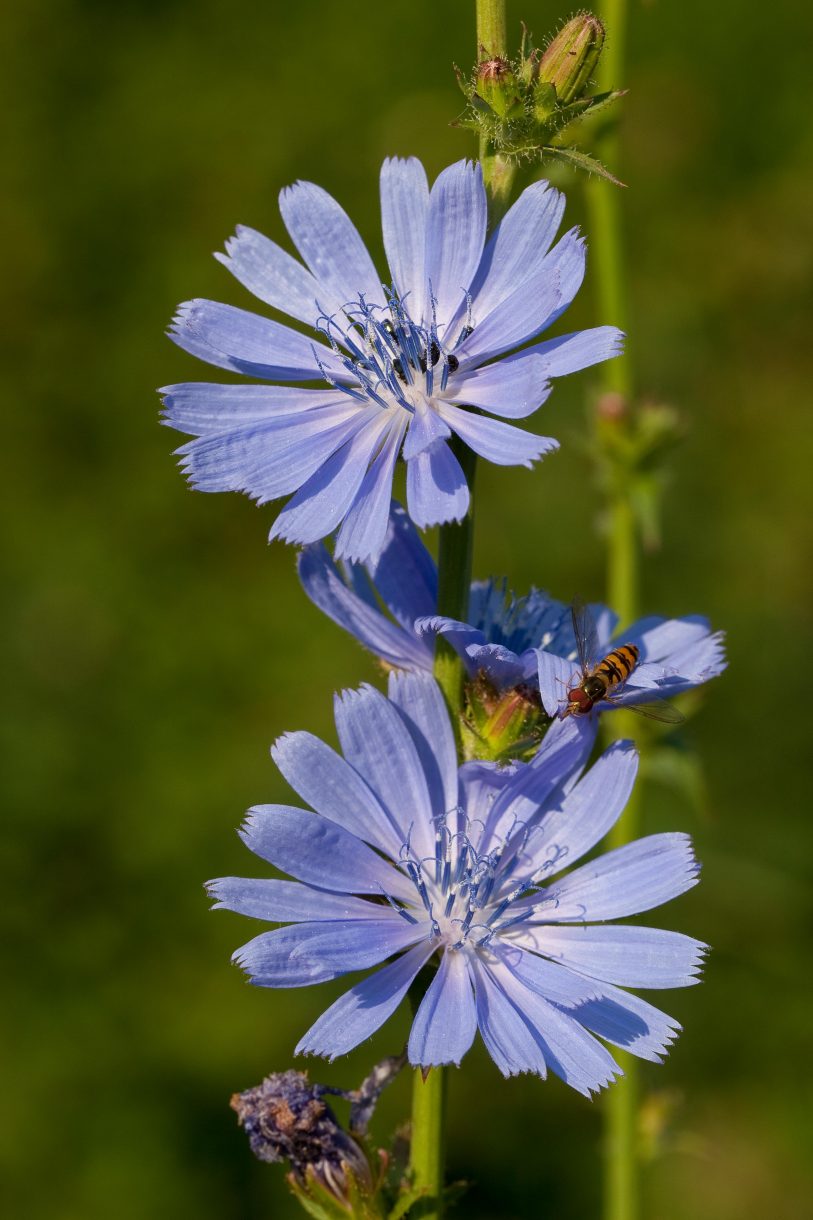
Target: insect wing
(659,710)
(584,629)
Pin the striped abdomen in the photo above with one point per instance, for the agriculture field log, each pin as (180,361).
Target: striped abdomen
(616,666)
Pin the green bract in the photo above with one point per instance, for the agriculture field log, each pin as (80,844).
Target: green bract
(525,109)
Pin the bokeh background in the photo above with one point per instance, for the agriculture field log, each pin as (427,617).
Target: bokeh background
(155,645)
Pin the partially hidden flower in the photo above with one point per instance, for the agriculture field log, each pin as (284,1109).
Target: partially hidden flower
(403,365)
(389,605)
(411,863)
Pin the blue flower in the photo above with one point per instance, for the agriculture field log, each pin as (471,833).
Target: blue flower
(402,363)
(409,861)
(512,640)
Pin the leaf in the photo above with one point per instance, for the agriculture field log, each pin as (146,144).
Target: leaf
(580,160)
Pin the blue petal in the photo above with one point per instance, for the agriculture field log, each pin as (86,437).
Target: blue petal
(631,879)
(320,853)
(321,503)
(620,1018)
(357,1014)
(274,276)
(605,622)
(305,953)
(643,677)
(363,533)
(587,812)
(556,983)
(501,666)
(507,1036)
(270,459)
(329,785)
(330,244)
(404,212)
(199,407)
(376,741)
(685,649)
(533,306)
(461,636)
(573,1054)
(437,491)
(285,901)
(425,427)
(455,235)
(495,441)
(418,699)
(572,353)
(446,1021)
(523,799)
(392,643)
(628,1021)
(513,387)
(555,676)
(246,343)
(518,247)
(628,956)
(405,575)
(479,784)
(697,662)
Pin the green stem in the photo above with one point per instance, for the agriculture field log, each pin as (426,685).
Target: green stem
(428,1148)
(498,171)
(491,37)
(621,1150)
(455,549)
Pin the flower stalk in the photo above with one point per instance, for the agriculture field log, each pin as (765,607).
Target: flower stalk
(621,1152)
(455,553)
(428,1145)
(492,44)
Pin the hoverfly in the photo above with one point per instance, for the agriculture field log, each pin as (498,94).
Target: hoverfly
(600,679)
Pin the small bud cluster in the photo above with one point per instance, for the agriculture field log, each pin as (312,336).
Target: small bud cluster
(629,448)
(525,108)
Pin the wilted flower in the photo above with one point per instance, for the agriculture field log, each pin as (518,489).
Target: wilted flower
(287,1118)
(412,861)
(512,641)
(403,364)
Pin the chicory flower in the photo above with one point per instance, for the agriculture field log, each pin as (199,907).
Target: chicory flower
(389,606)
(410,863)
(404,365)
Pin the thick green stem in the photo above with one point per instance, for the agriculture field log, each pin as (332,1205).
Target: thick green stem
(428,1141)
(621,1150)
(491,37)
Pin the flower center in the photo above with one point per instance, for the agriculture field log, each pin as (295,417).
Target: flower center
(468,893)
(391,359)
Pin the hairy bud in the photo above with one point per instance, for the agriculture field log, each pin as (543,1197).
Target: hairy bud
(570,58)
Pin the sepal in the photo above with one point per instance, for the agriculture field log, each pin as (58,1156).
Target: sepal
(500,726)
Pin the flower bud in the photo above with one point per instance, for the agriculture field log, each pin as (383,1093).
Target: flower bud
(571,57)
(496,84)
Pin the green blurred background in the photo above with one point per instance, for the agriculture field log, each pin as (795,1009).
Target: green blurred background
(156,645)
